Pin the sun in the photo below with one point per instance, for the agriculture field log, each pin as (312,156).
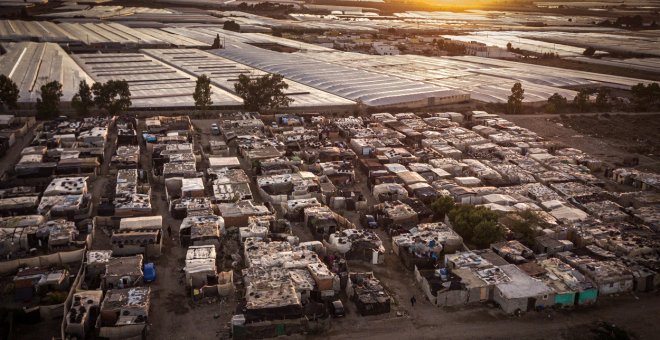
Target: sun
(434,5)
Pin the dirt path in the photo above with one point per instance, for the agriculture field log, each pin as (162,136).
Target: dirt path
(428,322)
(171,306)
(173,315)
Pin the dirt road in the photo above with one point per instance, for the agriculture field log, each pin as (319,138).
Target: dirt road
(425,321)
(173,314)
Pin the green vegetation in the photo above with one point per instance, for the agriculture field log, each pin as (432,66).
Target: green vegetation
(83,100)
(451,47)
(581,100)
(515,50)
(514,104)
(202,94)
(114,96)
(556,103)
(627,21)
(8,92)
(231,25)
(262,93)
(442,206)
(267,7)
(216,42)
(525,226)
(603,99)
(549,55)
(48,106)
(525,54)
(581,103)
(646,97)
(478,226)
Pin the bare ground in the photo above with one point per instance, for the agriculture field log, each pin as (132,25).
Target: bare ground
(610,138)
(632,133)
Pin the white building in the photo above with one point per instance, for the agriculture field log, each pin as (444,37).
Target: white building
(385,49)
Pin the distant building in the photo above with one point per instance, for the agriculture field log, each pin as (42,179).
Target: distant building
(385,49)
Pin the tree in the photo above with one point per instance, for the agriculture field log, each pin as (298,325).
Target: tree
(477,225)
(202,94)
(603,99)
(556,103)
(216,42)
(517,50)
(114,96)
(82,100)
(8,92)
(581,100)
(231,25)
(514,104)
(645,96)
(589,51)
(442,206)
(262,93)
(525,226)
(360,108)
(487,232)
(48,106)
(630,21)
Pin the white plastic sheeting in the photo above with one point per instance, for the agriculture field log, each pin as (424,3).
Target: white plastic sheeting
(224,74)
(31,65)
(486,79)
(354,83)
(152,83)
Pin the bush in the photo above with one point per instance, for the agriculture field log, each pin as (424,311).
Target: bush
(231,26)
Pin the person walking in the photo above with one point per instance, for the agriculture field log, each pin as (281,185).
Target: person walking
(413,300)
(169,231)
